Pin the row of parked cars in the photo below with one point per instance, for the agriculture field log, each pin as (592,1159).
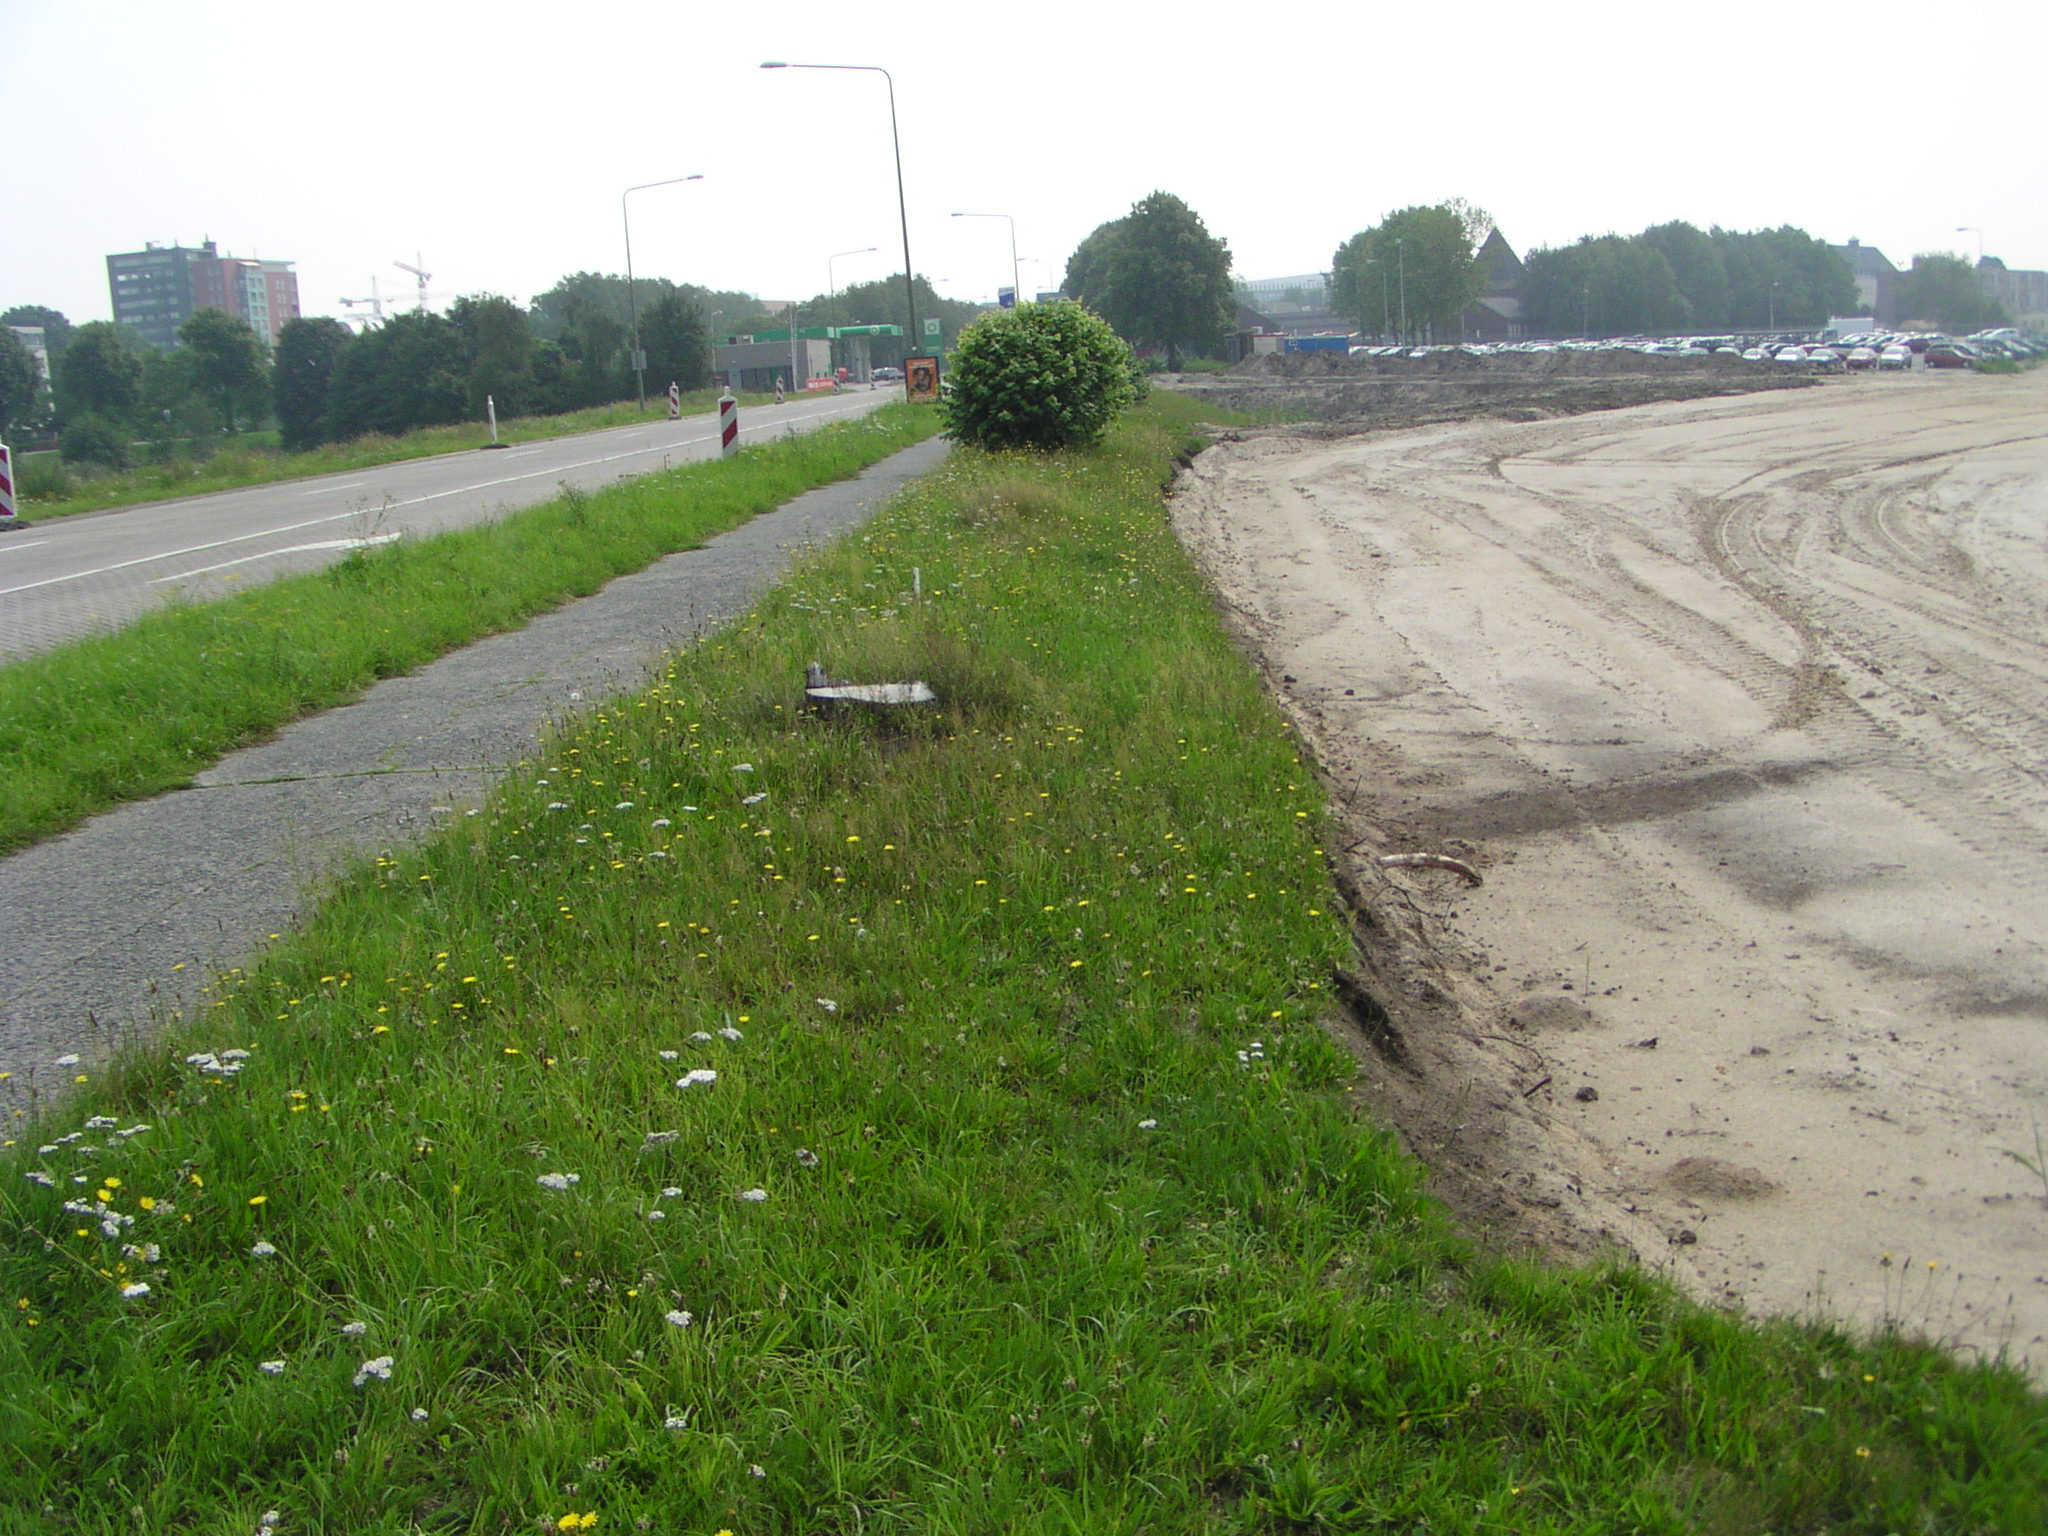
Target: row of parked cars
(1870,351)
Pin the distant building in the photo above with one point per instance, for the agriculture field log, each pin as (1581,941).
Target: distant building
(158,288)
(1286,298)
(38,343)
(2024,294)
(1496,315)
(1877,280)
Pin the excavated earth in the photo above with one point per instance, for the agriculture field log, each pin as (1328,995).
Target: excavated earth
(1738,707)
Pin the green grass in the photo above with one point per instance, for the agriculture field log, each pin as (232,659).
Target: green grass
(252,460)
(110,719)
(1067,1225)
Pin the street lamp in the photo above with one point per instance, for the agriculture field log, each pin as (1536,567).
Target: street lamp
(1971,229)
(632,301)
(1016,288)
(902,209)
(831,284)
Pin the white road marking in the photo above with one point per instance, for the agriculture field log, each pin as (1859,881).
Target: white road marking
(353,485)
(7,544)
(296,549)
(411,501)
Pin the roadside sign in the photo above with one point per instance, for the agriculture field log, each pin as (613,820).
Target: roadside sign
(1006,298)
(7,508)
(921,378)
(931,332)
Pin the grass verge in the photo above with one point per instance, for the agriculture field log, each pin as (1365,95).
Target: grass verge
(237,462)
(103,721)
(756,1122)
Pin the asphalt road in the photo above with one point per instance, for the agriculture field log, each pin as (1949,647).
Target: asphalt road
(112,926)
(77,576)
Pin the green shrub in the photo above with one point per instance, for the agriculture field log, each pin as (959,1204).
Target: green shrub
(43,477)
(1040,376)
(90,439)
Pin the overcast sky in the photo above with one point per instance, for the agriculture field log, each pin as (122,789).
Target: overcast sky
(495,140)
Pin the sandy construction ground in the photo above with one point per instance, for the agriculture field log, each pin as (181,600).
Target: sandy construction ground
(1740,707)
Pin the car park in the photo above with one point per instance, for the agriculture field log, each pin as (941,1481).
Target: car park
(1951,354)
(1861,359)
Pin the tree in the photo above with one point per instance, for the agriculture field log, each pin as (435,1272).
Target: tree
(227,361)
(57,331)
(1089,264)
(1947,291)
(672,333)
(1417,269)
(99,374)
(21,382)
(1040,376)
(408,372)
(1161,278)
(497,342)
(308,351)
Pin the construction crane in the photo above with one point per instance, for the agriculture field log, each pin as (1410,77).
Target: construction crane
(421,274)
(375,301)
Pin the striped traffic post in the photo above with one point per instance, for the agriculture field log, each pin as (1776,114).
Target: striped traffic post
(7,508)
(728,425)
(675,401)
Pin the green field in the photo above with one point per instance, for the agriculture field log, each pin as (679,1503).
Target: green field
(761,1122)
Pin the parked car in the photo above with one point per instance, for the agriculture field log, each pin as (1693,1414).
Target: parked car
(1861,359)
(1897,355)
(1790,355)
(1951,354)
(887,375)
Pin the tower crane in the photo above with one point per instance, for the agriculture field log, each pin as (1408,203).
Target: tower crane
(375,301)
(421,274)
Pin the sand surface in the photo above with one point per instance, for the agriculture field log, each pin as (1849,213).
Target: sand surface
(1740,707)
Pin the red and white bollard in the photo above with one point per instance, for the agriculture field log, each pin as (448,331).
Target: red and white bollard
(7,507)
(675,401)
(728,425)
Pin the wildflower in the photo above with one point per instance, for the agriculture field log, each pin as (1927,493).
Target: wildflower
(558,805)
(668,1055)
(827,1004)
(623,805)
(754,799)
(262,1250)
(700,1038)
(676,1421)
(1148,1125)
(657,1215)
(66,1061)
(355,1330)
(37,1176)
(754,1196)
(134,1289)
(655,1139)
(678,1319)
(558,1181)
(671,1192)
(695,1076)
(662,821)
(806,1157)
(419,1415)
(742,767)
(271,1367)
(729,1033)
(379,1368)
(755,1469)
(575,1522)
(258,1199)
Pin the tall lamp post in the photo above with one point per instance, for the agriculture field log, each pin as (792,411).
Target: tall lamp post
(1016,288)
(632,301)
(902,209)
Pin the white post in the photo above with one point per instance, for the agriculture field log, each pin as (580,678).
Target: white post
(7,506)
(728,425)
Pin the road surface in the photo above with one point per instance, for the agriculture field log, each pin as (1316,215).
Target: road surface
(77,576)
(1741,708)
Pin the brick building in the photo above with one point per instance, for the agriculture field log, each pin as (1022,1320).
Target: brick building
(158,288)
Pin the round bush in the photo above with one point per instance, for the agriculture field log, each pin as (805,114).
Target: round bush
(89,439)
(1040,376)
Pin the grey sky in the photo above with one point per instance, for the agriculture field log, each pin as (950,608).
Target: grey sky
(495,140)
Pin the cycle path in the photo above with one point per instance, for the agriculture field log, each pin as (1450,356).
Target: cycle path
(114,924)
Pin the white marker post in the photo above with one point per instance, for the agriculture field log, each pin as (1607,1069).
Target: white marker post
(728,425)
(675,401)
(491,411)
(7,507)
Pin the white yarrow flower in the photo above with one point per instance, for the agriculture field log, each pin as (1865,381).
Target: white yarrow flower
(696,1075)
(676,1421)
(742,767)
(729,1033)
(355,1330)
(671,1192)
(66,1061)
(678,1319)
(135,1289)
(271,1367)
(828,1004)
(754,799)
(419,1415)
(1148,1125)
(379,1368)
(623,805)
(700,1038)
(558,1181)
(754,1196)
(262,1250)
(668,1055)
(806,1157)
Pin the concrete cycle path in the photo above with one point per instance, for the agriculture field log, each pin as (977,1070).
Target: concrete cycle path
(127,916)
